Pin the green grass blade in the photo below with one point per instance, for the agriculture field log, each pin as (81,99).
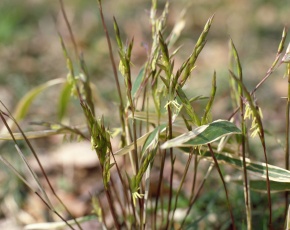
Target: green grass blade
(63,100)
(208,107)
(255,168)
(177,29)
(29,135)
(137,83)
(153,137)
(44,133)
(187,105)
(204,134)
(24,104)
(130,147)
(261,185)
(146,141)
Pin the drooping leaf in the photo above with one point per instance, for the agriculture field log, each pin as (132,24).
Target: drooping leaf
(261,185)
(24,104)
(255,168)
(44,133)
(31,134)
(203,134)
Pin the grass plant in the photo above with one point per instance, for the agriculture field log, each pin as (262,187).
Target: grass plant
(159,130)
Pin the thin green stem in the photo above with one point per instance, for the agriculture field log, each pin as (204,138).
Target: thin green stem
(245,179)
(244,135)
(135,152)
(172,159)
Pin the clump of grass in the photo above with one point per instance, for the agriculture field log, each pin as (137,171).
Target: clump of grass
(158,123)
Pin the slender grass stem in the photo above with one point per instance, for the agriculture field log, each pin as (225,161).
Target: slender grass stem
(124,187)
(135,152)
(104,221)
(194,198)
(262,137)
(69,29)
(48,206)
(240,95)
(245,176)
(112,208)
(120,204)
(225,187)
(172,159)
(159,187)
(268,74)
(195,174)
(260,128)
(287,137)
(133,210)
(121,111)
(180,187)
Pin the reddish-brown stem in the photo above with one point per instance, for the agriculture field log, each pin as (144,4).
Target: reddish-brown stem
(224,184)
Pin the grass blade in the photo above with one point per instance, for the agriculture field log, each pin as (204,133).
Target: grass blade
(261,185)
(137,83)
(24,104)
(256,168)
(204,134)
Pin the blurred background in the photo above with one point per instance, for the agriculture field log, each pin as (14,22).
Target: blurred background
(31,54)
